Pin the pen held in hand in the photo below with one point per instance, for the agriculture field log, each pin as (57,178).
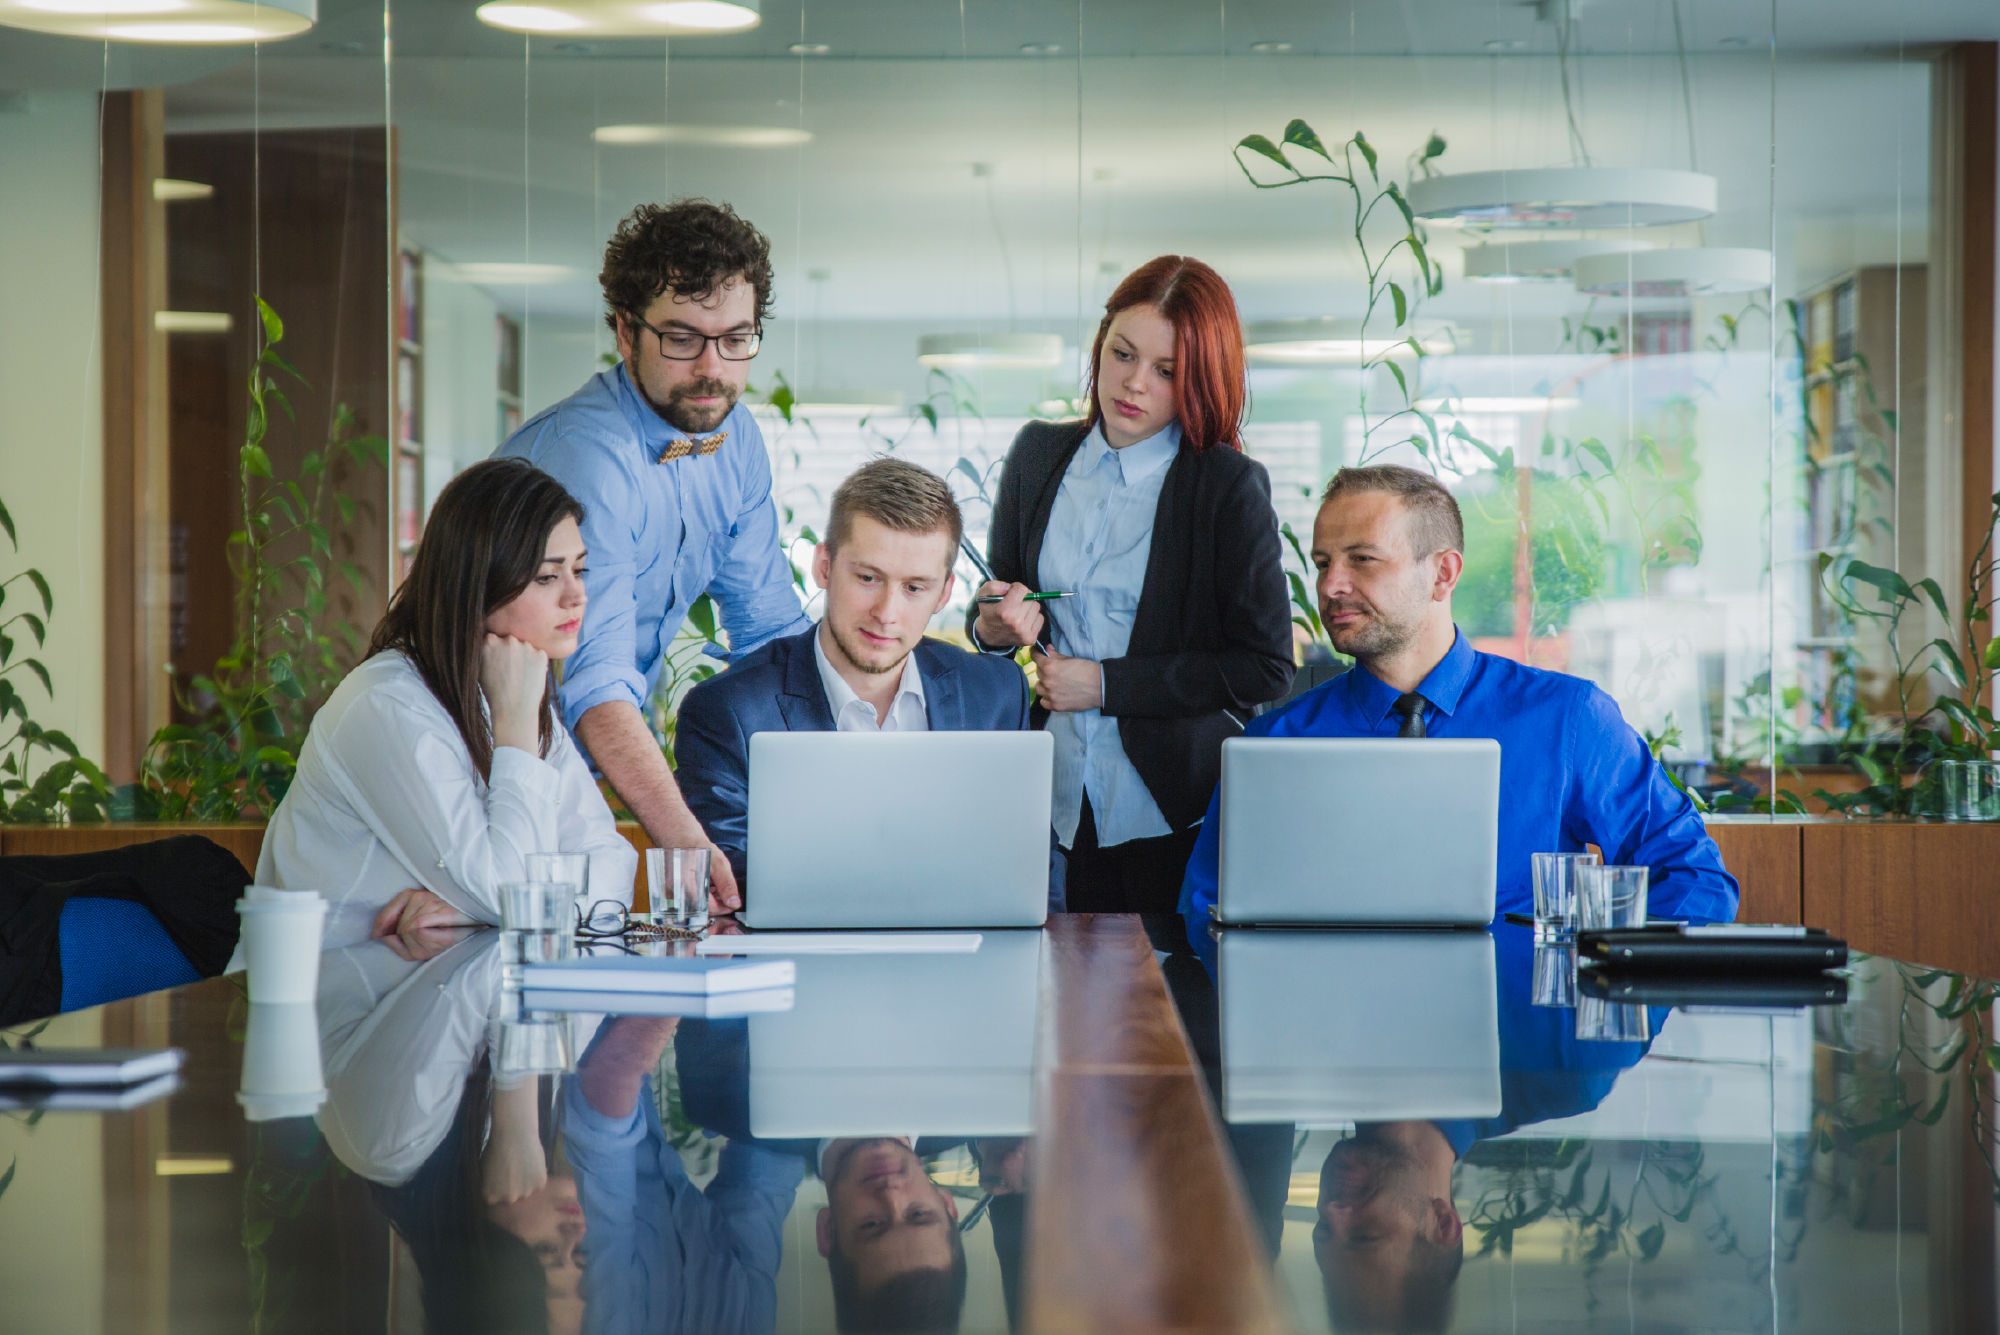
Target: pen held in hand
(1032,597)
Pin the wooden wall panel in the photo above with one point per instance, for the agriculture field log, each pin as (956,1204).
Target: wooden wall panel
(1922,892)
(1763,855)
(1137,1220)
(133,244)
(245,840)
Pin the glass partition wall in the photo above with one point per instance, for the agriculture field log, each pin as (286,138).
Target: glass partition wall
(1645,281)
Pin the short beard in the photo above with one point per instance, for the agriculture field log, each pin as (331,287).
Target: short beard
(1375,640)
(847,651)
(677,413)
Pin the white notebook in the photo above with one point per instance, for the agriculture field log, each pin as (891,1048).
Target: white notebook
(85,1066)
(687,975)
(721,1006)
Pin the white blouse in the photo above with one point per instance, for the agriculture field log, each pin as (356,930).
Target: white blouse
(386,799)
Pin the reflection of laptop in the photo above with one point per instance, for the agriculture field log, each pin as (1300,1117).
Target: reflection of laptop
(1359,831)
(1326,1028)
(898,1044)
(925,829)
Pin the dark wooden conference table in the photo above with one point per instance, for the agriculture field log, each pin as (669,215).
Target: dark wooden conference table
(1137,1136)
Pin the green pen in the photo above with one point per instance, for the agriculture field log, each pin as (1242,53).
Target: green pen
(1030,598)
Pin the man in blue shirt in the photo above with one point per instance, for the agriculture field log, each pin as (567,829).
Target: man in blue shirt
(1389,547)
(676,487)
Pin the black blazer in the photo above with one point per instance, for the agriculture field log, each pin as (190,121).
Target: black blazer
(776,688)
(1212,636)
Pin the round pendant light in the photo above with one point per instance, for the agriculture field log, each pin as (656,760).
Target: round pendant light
(1335,342)
(183,22)
(1704,271)
(622,18)
(1564,197)
(950,352)
(706,136)
(1536,261)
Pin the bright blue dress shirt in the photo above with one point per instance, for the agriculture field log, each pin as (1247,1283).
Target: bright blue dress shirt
(1572,772)
(1099,535)
(659,536)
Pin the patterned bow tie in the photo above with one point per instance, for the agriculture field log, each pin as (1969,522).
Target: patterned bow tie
(685,446)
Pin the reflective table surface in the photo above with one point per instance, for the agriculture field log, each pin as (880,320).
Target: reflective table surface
(1320,1130)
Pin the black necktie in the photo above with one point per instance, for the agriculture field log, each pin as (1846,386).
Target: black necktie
(1411,707)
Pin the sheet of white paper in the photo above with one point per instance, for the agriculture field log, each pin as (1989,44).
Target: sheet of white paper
(841,943)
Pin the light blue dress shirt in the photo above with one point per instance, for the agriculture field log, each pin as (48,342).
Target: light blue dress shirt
(1099,536)
(659,536)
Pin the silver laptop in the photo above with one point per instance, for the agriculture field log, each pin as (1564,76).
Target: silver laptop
(902,1043)
(1359,831)
(1325,1028)
(924,829)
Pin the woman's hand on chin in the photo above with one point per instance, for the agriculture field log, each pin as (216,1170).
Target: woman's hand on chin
(514,674)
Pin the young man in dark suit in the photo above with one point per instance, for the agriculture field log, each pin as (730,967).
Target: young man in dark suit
(886,569)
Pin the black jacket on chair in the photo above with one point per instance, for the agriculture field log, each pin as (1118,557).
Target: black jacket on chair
(1212,636)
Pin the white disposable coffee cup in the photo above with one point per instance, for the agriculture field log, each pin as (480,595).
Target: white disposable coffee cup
(281,947)
(264,894)
(282,1076)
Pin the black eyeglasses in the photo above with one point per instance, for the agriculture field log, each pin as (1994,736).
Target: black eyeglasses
(684,345)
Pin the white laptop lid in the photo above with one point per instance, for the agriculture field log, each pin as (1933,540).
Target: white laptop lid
(1326,1028)
(1391,831)
(925,829)
(900,1044)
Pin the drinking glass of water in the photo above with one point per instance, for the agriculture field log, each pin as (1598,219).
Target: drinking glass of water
(1555,892)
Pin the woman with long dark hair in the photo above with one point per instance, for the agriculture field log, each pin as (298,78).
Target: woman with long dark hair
(438,765)
(1150,517)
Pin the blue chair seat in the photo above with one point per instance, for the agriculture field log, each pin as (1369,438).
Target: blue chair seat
(113,949)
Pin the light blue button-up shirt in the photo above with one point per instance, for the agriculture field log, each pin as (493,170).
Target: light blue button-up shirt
(1099,536)
(659,536)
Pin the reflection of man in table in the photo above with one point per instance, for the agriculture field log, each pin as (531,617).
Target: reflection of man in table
(890,1238)
(1389,1240)
(667,1257)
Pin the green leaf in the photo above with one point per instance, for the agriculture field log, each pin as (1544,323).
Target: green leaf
(274,328)
(1991,655)
(7,523)
(34,665)
(1401,383)
(1594,447)
(1433,147)
(321,541)
(1298,132)
(280,668)
(1257,143)
(255,462)
(1395,194)
(345,505)
(42,587)
(1368,153)
(1929,588)
(1889,586)
(1949,662)
(1651,1241)
(1402,303)
(701,615)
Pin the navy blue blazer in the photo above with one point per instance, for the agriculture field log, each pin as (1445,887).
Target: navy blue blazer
(777,689)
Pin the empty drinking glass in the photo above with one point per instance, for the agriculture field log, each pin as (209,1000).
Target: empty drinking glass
(1555,974)
(537,924)
(1610,898)
(1555,892)
(1971,790)
(570,869)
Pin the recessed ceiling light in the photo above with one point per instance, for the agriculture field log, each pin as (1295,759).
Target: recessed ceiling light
(191,322)
(623,18)
(989,351)
(1041,49)
(1321,342)
(809,49)
(505,273)
(709,136)
(166,189)
(1270,48)
(855,403)
(192,22)
(1506,44)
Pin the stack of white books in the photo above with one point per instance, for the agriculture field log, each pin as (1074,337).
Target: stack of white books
(660,985)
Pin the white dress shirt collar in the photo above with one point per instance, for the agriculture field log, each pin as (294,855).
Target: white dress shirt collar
(853,714)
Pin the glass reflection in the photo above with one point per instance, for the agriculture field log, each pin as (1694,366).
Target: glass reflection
(690,1175)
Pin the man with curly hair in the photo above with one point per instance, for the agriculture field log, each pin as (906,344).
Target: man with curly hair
(676,488)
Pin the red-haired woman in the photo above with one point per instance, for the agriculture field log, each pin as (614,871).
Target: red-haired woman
(1158,527)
